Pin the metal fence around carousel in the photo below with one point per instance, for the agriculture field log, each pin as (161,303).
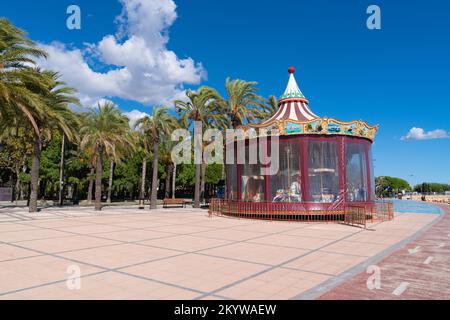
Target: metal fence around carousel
(354,214)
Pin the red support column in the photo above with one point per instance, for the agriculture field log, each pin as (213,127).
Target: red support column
(267,170)
(369,172)
(227,180)
(304,169)
(342,166)
(238,174)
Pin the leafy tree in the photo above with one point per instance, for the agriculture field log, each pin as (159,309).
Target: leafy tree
(16,60)
(387,186)
(242,104)
(122,149)
(127,175)
(268,108)
(102,131)
(202,106)
(50,164)
(186,175)
(213,173)
(144,150)
(56,117)
(159,125)
(15,150)
(429,187)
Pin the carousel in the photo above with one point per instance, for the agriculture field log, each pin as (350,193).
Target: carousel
(325,167)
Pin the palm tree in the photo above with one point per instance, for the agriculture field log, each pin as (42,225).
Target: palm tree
(268,107)
(37,96)
(202,106)
(242,103)
(91,158)
(104,130)
(166,158)
(157,126)
(86,154)
(144,146)
(16,58)
(121,150)
(56,116)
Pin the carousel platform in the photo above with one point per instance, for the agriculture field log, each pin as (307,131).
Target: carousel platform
(358,214)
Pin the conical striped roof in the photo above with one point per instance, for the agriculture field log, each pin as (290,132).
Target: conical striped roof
(292,89)
(293,105)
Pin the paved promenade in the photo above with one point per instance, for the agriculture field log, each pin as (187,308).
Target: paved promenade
(418,270)
(127,253)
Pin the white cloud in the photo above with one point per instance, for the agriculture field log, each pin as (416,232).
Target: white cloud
(139,65)
(134,116)
(420,134)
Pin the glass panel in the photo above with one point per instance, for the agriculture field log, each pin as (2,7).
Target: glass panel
(232,181)
(372,175)
(323,171)
(252,182)
(356,168)
(285,186)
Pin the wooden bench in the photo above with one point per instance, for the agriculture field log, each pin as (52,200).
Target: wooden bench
(174,202)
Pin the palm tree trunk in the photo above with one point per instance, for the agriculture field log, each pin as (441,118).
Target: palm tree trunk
(98,184)
(197,186)
(168,176)
(110,181)
(17,188)
(143,175)
(202,193)
(174,177)
(153,198)
(22,186)
(235,122)
(91,185)
(61,171)
(36,160)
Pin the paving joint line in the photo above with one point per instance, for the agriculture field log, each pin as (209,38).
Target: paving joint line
(330,284)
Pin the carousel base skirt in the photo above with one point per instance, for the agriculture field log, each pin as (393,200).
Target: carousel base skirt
(358,214)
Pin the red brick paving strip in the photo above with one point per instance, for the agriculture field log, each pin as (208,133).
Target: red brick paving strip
(426,281)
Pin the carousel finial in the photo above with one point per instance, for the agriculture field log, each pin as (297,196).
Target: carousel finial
(291,70)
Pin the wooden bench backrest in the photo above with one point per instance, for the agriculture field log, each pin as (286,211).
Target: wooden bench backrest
(173,201)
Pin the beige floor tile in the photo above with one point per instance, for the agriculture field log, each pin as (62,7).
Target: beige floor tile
(133,235)
(325,262)
(106,286)
(270,227)
(68,244)
(257,253)
(165,235)
(117,256)
(181,229)
(228,234)
(9,252)
(92,228)
(141,224)
(185,243)
(354,248)
(35,234)
(278,283)
(36,271)
(322,233)
(9,227)
(285,240)
(196,271)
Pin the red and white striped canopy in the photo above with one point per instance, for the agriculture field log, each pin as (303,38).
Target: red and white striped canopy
(293,105)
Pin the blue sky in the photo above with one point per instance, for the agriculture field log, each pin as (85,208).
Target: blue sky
(397,77)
